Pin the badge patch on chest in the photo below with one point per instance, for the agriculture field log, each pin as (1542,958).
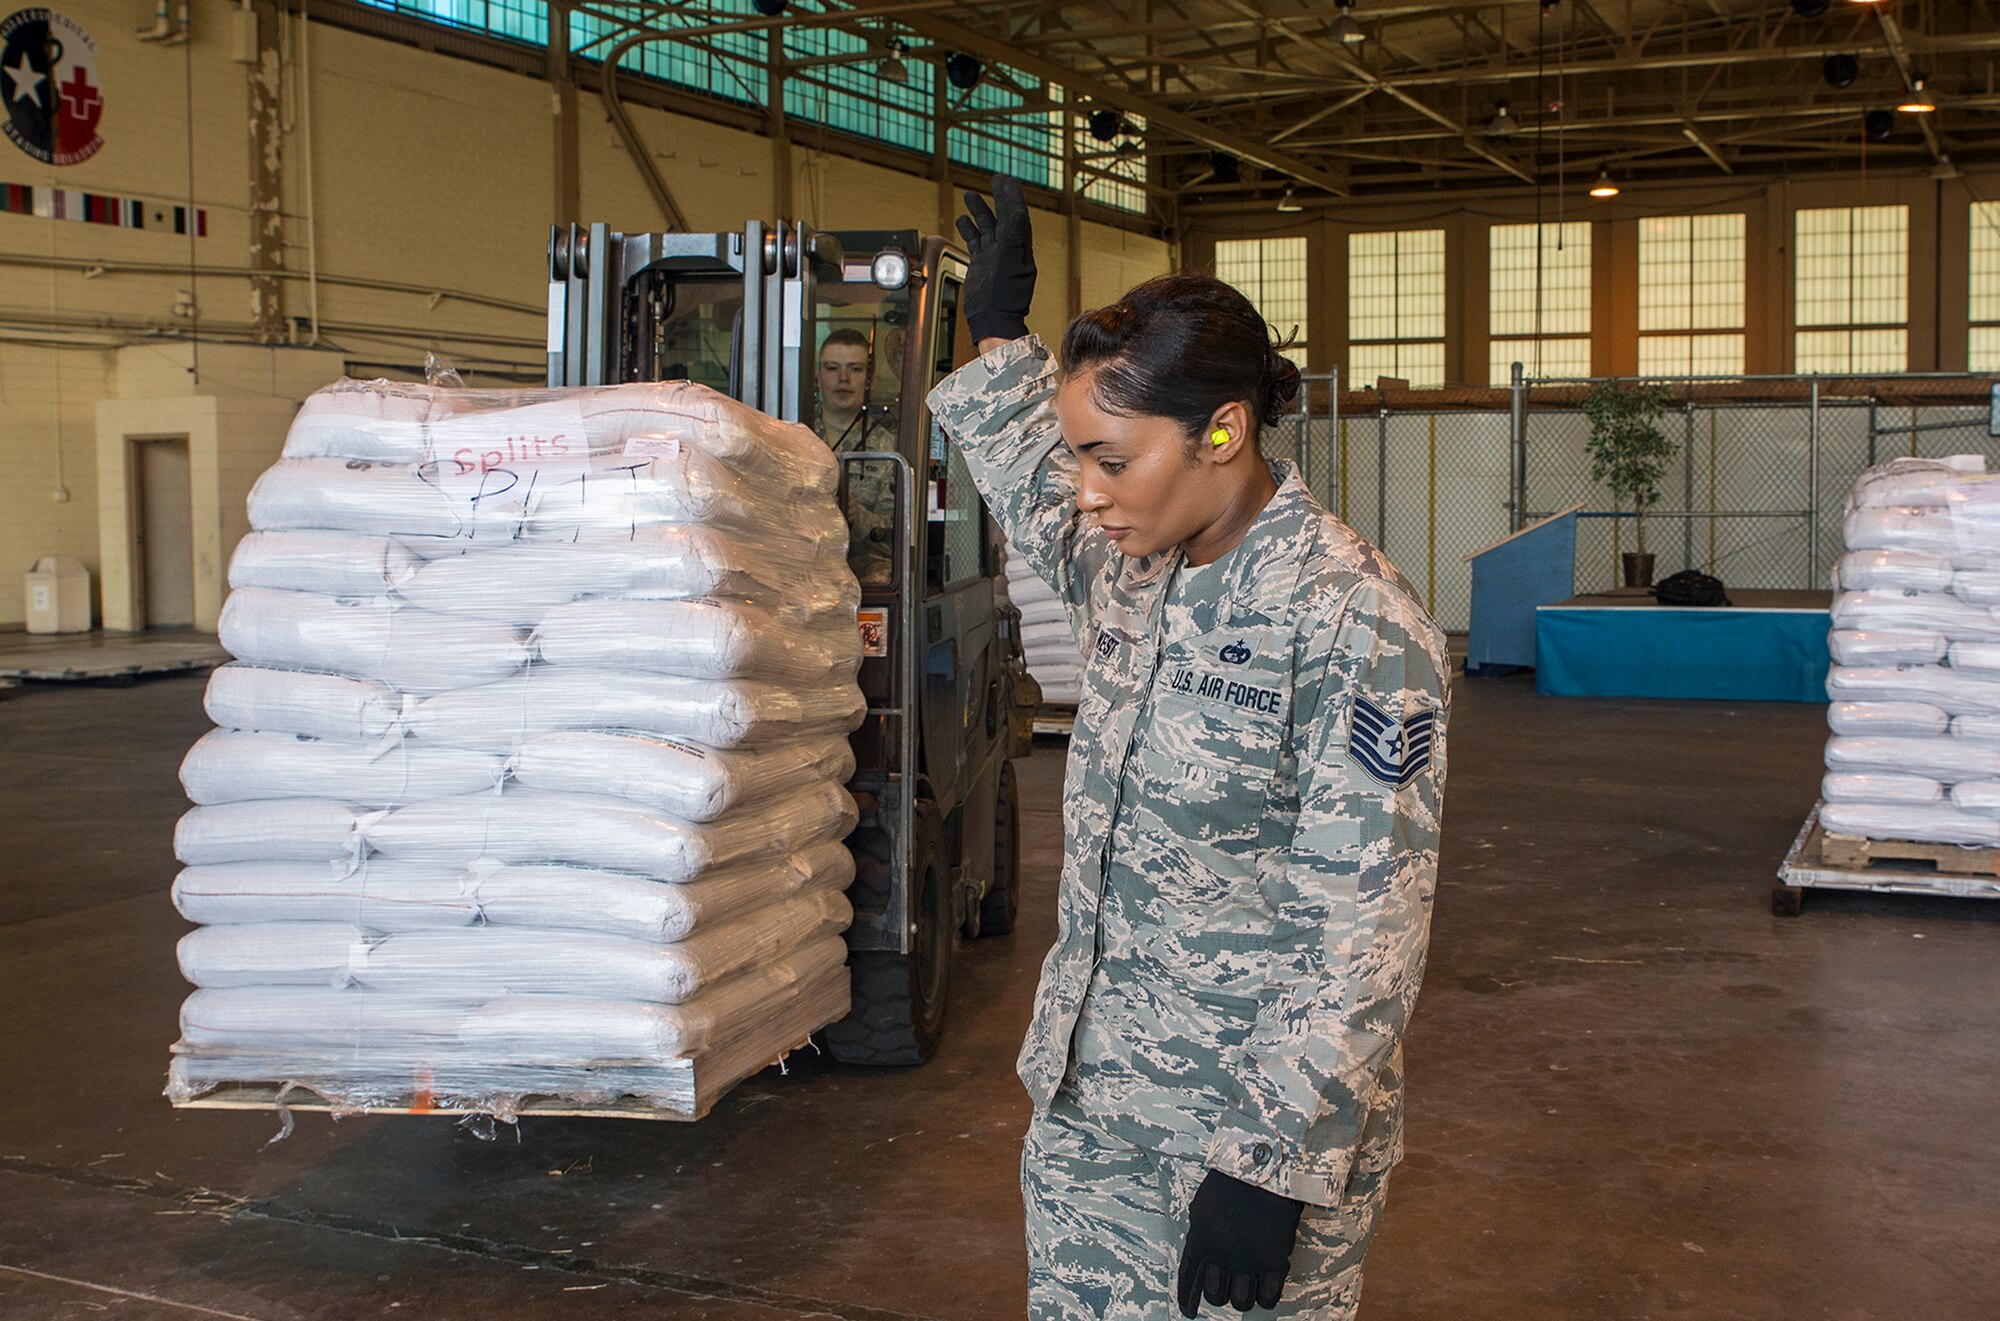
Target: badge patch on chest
(1391,751)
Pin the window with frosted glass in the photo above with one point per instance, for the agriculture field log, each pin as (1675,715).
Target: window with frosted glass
(1851,289)
(1272,274)
(1983,290)
(1003,125)
(1691,276)
(1538,299)
(1395,307)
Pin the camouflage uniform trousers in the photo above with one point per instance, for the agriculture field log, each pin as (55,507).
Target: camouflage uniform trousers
(1106,1220)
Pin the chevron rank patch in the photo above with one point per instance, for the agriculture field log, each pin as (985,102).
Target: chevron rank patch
(1390,751)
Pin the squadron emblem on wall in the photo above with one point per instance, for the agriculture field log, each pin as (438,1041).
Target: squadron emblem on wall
(48,79)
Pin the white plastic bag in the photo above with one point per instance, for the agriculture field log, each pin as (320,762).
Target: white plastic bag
(271,830)
(406,647)
(1879,787)
(330,563)
(715,713)
(709,639)
(1935,824)
(1886,647)
(1894,570)
(1893,612)
(1948,760)
(234,767)
(586,830)
(328,706)
(1887,719)
(679,778)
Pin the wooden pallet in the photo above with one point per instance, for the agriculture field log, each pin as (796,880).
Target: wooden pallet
(1956,859)
(1818,860)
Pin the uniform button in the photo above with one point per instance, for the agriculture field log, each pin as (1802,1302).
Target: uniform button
(1261,1152)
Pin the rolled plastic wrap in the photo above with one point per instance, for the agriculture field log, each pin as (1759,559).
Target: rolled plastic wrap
(530,778)
(1887,719)
(328,706)
(1879,787)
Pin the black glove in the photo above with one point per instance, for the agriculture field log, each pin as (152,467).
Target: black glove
(1239,1245)
(1000,283)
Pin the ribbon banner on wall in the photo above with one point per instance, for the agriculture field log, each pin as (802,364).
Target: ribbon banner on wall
(48,78)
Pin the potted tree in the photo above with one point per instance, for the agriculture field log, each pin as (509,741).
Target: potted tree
(1629,454)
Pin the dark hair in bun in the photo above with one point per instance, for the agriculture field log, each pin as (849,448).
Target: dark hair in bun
(1182,346)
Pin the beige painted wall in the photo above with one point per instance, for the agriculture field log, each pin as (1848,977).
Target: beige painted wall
(427,171)
(1938,260)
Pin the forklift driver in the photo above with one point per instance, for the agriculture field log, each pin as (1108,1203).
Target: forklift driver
(846,422)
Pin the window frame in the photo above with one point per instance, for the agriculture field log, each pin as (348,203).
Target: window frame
(1399,341)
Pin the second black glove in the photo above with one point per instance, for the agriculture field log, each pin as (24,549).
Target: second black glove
(1239,1245)
(1000,283)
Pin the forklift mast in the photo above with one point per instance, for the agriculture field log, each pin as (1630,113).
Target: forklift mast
(746,313)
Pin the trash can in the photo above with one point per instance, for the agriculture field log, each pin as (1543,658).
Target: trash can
(58,590)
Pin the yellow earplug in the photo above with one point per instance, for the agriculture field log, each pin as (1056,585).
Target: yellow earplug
(1219,436)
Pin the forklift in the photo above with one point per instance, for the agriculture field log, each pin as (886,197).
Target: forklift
(949,699)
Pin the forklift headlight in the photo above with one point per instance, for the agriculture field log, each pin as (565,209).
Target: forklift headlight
(890,270)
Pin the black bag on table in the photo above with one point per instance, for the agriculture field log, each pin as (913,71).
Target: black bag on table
(1690,587)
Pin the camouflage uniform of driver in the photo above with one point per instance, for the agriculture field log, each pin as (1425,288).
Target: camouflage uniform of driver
(1251,824)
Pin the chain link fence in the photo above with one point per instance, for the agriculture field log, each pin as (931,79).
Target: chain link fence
(1754,494)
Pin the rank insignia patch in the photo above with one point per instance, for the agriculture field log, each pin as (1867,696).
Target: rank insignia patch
(1391,751)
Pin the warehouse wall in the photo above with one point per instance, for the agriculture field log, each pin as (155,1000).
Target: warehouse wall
(1938,258)
(427,208)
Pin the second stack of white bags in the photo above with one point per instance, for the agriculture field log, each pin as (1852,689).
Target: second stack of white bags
(1915,683)
(1047,641)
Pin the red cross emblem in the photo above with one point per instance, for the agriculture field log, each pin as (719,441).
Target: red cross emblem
(81,99)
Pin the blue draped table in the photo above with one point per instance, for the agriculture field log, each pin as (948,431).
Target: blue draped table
(1767,647)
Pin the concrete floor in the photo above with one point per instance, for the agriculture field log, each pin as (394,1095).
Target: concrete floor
(1634,1093)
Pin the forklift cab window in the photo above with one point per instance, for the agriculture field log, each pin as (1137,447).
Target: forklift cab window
(863,335)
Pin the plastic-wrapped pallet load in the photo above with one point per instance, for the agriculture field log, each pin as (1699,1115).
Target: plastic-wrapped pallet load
(1048,644)
(529,775)
(1915,683)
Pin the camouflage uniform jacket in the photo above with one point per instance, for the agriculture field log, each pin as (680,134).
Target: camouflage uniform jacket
(1275,782)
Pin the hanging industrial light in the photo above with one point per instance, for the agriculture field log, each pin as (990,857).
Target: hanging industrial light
(1604,187)
(1289,203)
(1104,125)
(1840,70)
(892,68)
(1345,28)
(1224,167)
(768,8)
(1879,124)
(1917,101)
(1811,8)
(1503,124)
(963,70)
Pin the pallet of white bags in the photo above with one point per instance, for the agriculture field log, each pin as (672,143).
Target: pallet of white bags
(1055,718)
(1845,862)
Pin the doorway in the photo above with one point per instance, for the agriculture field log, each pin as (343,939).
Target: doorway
(165,533)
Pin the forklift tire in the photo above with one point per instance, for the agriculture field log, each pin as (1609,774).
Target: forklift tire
(897,1015)
(1002,903)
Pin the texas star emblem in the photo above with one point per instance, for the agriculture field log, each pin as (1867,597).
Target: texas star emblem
(1391,751)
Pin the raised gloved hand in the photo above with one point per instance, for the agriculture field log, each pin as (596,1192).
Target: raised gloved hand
(1000,284)
(1239,1245)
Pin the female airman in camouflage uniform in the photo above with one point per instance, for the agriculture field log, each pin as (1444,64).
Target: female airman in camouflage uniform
(1251,809)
